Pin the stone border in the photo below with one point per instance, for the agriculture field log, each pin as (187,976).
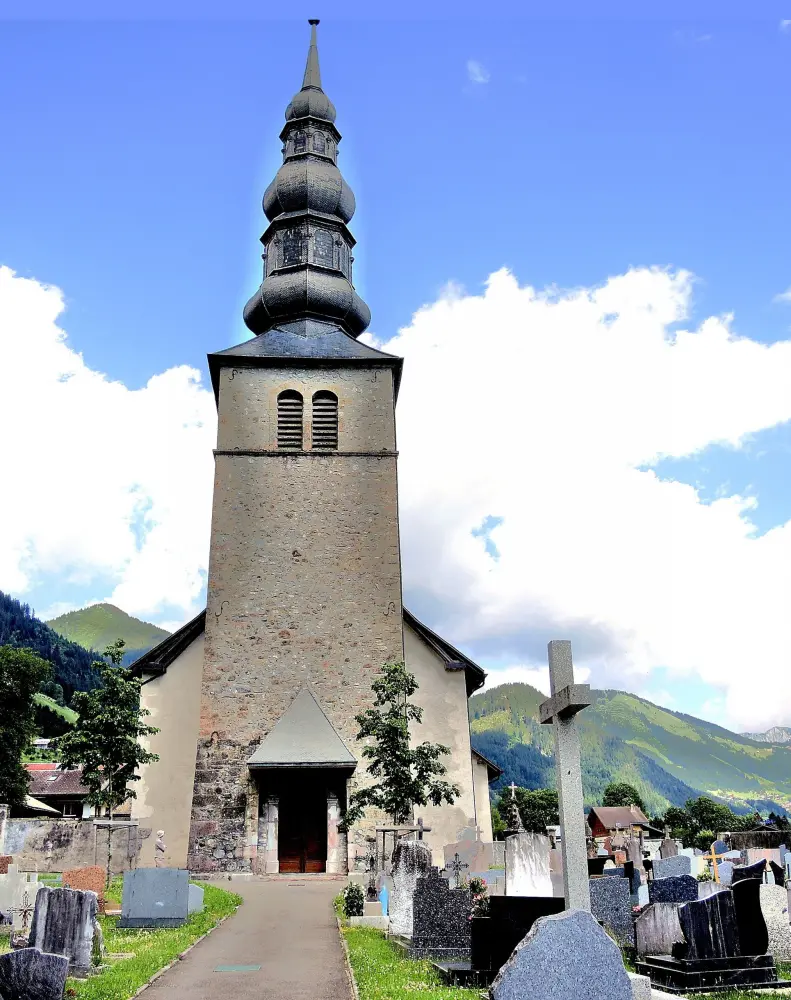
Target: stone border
(178,958)
(347,961)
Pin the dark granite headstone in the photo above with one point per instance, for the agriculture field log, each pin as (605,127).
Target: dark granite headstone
(709,927)
(679,864)
(441,918)
(753,935)
(510,918)
(564,957)
(779,873)
(596,865)
(720,847)
(64,923)
(30,974)
(755,871)
(611,903)
(678,889)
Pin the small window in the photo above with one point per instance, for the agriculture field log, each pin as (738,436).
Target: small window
(322,248)
(289,419)
(292,247)
(72,809)
(300,142)
(319,143)
(325,420)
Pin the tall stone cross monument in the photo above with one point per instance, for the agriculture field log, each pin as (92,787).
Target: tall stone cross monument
(567,699)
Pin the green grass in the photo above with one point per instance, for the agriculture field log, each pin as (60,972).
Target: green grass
(61,710)
(384,974)
(152,949)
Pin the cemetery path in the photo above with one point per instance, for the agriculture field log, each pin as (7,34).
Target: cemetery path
(288,928)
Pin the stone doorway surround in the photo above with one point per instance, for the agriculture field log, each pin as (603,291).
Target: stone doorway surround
(302,757)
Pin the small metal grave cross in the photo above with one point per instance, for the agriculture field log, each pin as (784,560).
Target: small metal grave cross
(559,710)
(25,910)
(455,868)
(713,857)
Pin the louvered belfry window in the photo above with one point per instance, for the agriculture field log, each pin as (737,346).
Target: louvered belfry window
(325,420)
(289,419)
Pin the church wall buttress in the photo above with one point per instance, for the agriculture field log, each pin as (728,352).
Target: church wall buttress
(304,584)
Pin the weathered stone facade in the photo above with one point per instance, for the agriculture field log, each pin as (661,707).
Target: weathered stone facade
(304,585)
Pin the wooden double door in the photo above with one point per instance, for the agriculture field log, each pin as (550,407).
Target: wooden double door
(302,827)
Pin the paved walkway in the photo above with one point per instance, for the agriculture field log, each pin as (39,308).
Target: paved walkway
(288,928)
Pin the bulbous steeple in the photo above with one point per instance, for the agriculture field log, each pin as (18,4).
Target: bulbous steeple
(307,247)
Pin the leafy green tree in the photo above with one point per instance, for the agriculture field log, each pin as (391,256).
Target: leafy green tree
(406,776)
(538,808)
(54,691)
(21,675)
(619,793)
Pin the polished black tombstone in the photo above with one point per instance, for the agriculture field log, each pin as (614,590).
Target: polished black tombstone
(779,873)
(725,941)
(510,918)
(749,871)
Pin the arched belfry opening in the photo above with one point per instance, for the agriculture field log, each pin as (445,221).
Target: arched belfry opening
(289,419)
(325,420)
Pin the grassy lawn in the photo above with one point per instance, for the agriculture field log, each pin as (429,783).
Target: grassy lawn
(384,974)
(151,950)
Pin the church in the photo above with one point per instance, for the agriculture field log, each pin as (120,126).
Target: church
(255,699)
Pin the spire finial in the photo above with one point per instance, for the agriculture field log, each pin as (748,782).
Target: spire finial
(312,76)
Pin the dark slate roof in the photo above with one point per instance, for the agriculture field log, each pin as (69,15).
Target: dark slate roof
(157,660)
(303,737)
(53,781)
(493,769)
(307,342)
(454,659)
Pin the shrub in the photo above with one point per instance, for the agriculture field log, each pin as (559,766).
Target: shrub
(353,900)
(706,876)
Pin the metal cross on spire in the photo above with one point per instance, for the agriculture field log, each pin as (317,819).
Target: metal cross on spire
(559,710)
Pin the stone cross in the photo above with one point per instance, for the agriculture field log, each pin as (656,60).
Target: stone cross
(513,787)
(421,829)
(559,710)
(455,867)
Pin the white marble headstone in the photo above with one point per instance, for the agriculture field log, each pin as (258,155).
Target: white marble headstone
(527,867)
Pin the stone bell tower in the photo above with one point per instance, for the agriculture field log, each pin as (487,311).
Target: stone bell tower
(304,591)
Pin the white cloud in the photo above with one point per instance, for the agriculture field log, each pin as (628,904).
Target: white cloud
(544,409)
(783,296)
(537,676)
(785,24)
(104,486)
(476,72)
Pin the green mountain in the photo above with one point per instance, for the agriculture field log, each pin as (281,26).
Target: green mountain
(97,626)
(668,756)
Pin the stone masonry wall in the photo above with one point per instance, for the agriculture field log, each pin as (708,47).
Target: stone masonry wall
(304,586)
(47,845)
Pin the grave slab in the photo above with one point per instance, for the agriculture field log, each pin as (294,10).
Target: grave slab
(680,864)
(30,974)
(754,871)
(155,897)
(753,935)
(441,919)
(527,871)
(773,900)
(195,899)
(559,954)
(91,879)
(678,889)
(64,923)
(657,929)
(18,896)
(611,903)
(411,859)
(510,918)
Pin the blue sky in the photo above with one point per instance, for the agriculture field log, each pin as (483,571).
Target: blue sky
(568,151)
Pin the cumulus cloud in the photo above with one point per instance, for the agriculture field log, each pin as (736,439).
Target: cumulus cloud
(476,72)
(105,487)
(529,424)
(785,24)
(783,296)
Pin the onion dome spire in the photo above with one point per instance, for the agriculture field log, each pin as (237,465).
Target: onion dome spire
(307,245)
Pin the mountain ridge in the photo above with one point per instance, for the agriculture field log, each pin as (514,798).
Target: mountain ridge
(670,756)
(777,734)
(98,625)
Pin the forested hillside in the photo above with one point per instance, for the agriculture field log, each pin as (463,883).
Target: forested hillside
(71,663)
(668,756)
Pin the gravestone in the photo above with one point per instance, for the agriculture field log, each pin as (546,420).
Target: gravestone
(195,898)
(773,900)
(709,927)
(668,849)
(709,888)
(441,918)
(5,861)
(18,896)
(671,867)
(411,859)
(566,701)
(642,895)
(611,903)
(527,871)
(155,897)
(754,871)
(657,929)
(472,851)
(755,854)
(510,918)
(29,974)
(778,872)
(65,923)
(91,879)
(634,852)
(678,889)
(725,872)
(564,957)
(719,847)
(753,935)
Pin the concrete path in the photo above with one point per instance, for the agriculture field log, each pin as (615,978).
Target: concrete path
(286,927)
